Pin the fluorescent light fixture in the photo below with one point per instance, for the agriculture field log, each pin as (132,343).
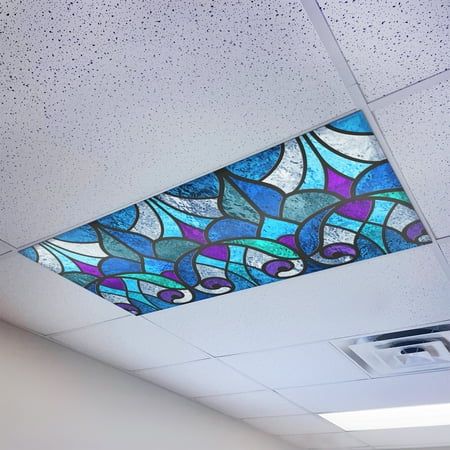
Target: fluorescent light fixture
(403,417)
(325,198)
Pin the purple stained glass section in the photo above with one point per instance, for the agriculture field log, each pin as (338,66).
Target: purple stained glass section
(323,199)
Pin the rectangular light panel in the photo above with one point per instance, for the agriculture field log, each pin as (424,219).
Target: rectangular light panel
(323,199)
(402,417)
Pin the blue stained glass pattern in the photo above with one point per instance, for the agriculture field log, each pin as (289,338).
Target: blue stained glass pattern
(326,198)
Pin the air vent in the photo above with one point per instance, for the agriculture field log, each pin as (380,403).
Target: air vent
(407,351)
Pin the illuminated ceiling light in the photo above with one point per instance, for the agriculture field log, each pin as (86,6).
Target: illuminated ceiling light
(385,418)
(326,198)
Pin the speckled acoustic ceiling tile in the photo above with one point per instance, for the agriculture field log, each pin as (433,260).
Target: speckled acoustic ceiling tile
(391,44)
(105,103)
(417,130)
(444,244)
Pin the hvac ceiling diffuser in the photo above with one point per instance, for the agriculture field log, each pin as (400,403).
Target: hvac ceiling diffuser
(421,349)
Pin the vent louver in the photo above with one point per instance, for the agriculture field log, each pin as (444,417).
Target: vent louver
(420,349)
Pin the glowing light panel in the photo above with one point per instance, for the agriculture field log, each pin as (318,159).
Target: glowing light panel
(384,418)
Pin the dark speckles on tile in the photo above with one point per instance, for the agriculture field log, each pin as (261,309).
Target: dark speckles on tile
(444,244)
(391,44)
(105,103)
(418,132)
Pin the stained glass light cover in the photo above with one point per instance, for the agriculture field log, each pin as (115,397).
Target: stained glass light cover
(326,198)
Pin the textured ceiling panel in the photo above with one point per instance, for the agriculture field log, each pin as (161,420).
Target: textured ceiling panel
(31,297)
(328,441)
(391,44)
(4,248)
(252,404)
(324,199)
(406,390)
(200,378)
(445,246)
(359,299)
(302,365)
(300,424)
(105,103)
(423,152)
(130,343)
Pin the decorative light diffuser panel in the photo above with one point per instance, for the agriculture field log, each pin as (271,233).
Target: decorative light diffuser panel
(326,198)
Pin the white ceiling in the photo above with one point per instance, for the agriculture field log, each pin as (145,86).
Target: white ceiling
(303,365)
(423,150)
(445,247)
(120,101)
(252,404)
(4,248)
(391,44)
(130,343)
(386,392)
(174,92)
(33,298)
(390,292)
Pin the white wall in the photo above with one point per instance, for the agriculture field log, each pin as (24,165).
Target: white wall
(52,398)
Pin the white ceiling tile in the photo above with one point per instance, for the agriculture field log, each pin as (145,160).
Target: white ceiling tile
(301,424)
(37,299)
(4,248)
(252,404)
(423,436)
(445,247)
(407,40)
(130,343)
(403,289)
(328,441)
(125,100)
(301,365)
(422,150)
(406,390)
(200,378)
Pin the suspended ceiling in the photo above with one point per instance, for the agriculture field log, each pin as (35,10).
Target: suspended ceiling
(106,105)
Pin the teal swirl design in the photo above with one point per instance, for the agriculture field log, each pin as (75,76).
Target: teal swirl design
(326,198)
